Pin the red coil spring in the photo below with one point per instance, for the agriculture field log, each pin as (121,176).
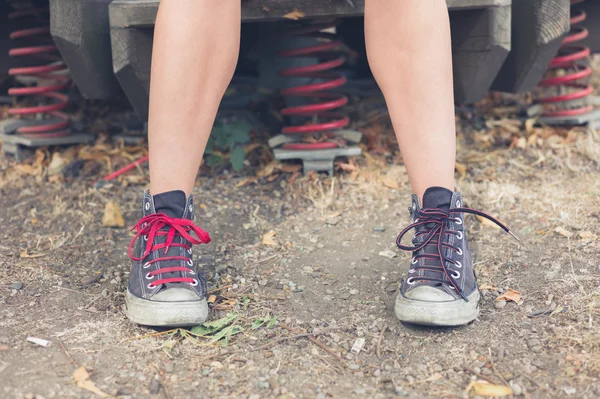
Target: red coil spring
(45,118)
(318,118)
(569,70)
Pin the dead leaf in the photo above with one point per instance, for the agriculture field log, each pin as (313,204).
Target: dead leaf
(510,295)
(563,232)
(587,235)
(484,388)
(81,377)
(211,299)
(487,287)
(267,239)
(389,182)
(485,221)
(268,169)
(530,124)
(295,15)
(290,168)
(25,254)
(112,215)
(462,169)
(266,8)
(246,181)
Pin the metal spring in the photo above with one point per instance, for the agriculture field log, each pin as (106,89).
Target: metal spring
(317,116)
(569,72)
(43,119)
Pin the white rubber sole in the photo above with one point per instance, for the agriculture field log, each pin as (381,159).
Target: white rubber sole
(165,314)
(450,313)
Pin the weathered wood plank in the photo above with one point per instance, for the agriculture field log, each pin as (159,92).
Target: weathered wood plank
(80,30)
(142,13)
(538,29)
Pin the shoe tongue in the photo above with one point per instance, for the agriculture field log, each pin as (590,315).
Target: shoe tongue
(437,197)
(171,203)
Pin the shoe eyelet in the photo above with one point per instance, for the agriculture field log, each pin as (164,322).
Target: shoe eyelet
(148,276)
(147,206)
(458,220)
(146,265)
(458,264)
(410,281)
(455,274)
(416,220)
(459,251)
(459,235)
(458,204)
(190,262)
(414,261)
(189,251)
(195,283)
(411,271)
(191,208)
(150,286)
(192,272)
(145,238)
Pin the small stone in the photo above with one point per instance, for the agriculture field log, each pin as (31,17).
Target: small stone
(377,373)
(327,298)
(90,279)
(533,342)
(353,291)
(17,285)
(263,282)
(308,269)
(360,391)
(516,388)
(536,349)
(354,366)
(436,367)
(279,286)
(254,396)
(500,304)
(388,254)
(486,371)
(169,367)
(154,387)
(332,221)
(379,229)
(300,288)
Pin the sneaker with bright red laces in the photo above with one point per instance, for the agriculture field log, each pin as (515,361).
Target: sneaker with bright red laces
(164,287)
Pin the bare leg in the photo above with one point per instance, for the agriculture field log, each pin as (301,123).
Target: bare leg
(196,45)
(408,45)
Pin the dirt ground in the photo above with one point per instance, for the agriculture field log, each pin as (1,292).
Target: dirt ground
(303,269)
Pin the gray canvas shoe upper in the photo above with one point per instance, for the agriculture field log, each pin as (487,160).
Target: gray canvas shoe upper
(442,265)
(161,253)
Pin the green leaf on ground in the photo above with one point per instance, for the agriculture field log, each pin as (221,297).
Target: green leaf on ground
(237,158)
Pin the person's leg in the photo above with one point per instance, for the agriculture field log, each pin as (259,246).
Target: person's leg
(408,46)
(195,50)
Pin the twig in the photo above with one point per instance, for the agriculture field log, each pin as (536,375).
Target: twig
(499,375)
(256,296)
(220,289)
(266,259)
(483,377)
(67,354)
(378,352)
(312,339)
(532,380)
(162,381)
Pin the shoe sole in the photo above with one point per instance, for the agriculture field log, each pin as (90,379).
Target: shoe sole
(165,314)
(440,314)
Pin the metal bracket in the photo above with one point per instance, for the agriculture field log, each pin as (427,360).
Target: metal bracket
(18,146)
(317,160)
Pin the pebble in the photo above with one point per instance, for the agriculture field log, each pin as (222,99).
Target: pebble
(354,366)
(254,396)
(332,221)
(377,373)
(353,291)
(263,282)
(379,229)
(500,304)
(327,298)
(155,387)
(437,367)
(388,254)
(308,269)
(169,367)
(17,285)
(533,342)
(360,391)
(90,279)
(516,388)
(486,371)
(300,288)
(536,349)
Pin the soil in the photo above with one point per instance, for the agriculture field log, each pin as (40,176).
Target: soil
(317,257)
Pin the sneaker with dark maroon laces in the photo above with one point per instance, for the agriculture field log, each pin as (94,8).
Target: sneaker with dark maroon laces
(164,288)
(440,288)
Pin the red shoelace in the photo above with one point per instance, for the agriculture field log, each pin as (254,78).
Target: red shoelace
(435,221)
(152,226)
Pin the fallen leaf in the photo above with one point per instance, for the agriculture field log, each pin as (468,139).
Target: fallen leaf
(485,221)
(558,309)
(211,299)
(267,239)
(587,235)
(81,377)
(460,168)
(484,388)
(268,169)
(389,182)
(530,124)
(246,181)
(487,287)
(563,232)
(290,168)
(112,215)
(26,254)
(510,295)
(295,15)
